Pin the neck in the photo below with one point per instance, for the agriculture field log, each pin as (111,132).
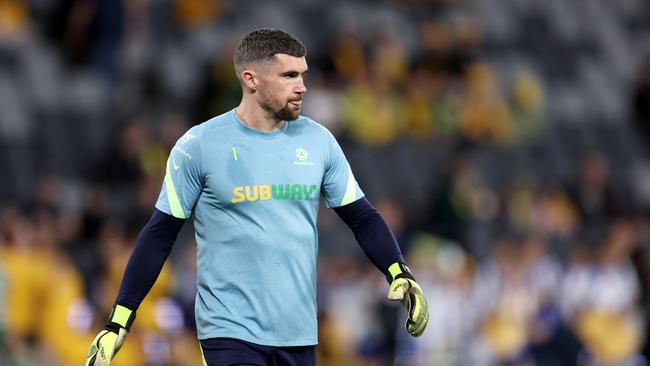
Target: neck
(253,116)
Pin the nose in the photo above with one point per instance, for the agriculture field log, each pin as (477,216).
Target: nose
(300,87)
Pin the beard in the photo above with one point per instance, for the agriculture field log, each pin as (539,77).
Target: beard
(286,114)
(283,114)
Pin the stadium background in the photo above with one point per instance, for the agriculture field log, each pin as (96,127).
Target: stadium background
(505,142)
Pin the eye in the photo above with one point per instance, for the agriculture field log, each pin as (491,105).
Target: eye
(290,75)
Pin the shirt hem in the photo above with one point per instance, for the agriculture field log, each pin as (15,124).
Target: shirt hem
(262,342)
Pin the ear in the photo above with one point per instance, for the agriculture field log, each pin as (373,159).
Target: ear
(249,78)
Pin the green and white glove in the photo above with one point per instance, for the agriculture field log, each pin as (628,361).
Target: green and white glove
(404,289)
(111,338)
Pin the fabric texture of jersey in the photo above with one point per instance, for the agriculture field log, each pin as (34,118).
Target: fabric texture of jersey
(254,198)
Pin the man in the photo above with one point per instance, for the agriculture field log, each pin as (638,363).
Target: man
(251,179)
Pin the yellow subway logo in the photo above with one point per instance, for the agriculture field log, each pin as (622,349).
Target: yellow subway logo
(264,192)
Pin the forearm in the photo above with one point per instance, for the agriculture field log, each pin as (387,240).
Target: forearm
(372,233)
(150,253)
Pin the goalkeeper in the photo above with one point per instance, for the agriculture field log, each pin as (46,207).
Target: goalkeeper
(251,179)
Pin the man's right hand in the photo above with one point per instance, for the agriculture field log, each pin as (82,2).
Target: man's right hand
(110,339)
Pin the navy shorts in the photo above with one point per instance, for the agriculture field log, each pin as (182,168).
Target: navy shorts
(230,351)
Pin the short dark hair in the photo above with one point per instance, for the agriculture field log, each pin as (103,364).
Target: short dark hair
(262,44)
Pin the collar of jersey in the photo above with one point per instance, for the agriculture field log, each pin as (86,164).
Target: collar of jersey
(257,133)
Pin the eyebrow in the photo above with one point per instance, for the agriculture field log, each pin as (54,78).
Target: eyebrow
(293,73)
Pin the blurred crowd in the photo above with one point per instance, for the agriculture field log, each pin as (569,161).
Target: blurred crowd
(505,143)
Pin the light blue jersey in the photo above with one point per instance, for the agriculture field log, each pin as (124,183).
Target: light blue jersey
(254,197)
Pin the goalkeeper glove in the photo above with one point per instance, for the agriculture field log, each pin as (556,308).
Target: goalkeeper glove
(110,339)
(404,289)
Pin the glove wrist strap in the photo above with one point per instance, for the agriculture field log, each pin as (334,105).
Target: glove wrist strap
(399,270)
(121,316)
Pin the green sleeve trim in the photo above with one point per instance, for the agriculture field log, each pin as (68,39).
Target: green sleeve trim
(395,270)
(121,316)
(172,196)
(351,190)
